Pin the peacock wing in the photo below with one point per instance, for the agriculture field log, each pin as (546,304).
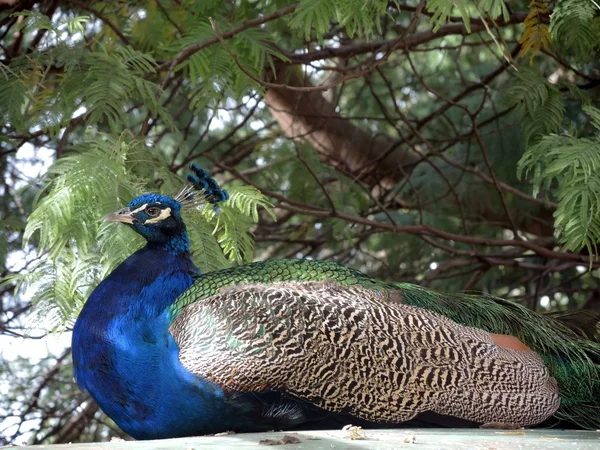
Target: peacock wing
(359,351)
(569,354)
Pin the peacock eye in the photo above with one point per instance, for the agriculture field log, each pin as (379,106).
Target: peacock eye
(153,211)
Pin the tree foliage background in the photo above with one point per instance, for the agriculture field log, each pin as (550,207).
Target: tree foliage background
(453,144)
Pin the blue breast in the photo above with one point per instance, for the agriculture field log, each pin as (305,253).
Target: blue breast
(124,356)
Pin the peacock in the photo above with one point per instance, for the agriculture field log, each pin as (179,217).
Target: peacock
(167,351)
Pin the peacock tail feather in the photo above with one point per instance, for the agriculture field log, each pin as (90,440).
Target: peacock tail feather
(572,360)
(308,320)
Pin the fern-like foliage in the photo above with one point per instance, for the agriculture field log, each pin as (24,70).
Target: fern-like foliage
(235,218)
(575,26)
(536,33)
(78,249)
(105,81)
(539,104)
(12,97)
(213,72)
(60,287)
(357,17)
(26,98)
(206,251)
(313,14)
(112,80)
(443,9)
(572,165)
(35,20)
(593,114)
(78,192)
(255,50)
(495,8)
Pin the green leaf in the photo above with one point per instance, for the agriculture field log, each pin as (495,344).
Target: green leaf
(443,9)
(539,103)
(573,165)
(575,28)
(593,114)
(495,8)
(13,94)
(232,225)
(313,14)
(3,246)
(75,25)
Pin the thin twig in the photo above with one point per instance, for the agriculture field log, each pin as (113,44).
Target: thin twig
(103,18)
(316,178)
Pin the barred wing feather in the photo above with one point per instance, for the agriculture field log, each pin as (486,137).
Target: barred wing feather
(359,351)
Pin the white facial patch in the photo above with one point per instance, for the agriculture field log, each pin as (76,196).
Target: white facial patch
(139,209)
(162,216)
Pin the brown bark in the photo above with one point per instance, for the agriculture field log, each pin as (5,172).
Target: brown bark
(310,116)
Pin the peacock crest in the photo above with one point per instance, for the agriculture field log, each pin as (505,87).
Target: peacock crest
(200,180)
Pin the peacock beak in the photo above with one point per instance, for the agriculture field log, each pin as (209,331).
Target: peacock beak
(123,215)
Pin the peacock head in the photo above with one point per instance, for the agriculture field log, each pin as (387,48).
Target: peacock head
(158,217)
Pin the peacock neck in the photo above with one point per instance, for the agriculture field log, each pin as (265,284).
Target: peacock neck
(124,356)
(176,244)
(143,285)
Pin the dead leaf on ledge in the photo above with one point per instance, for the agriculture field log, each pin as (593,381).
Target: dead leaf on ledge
(225,433)
(287,439)
(353,433)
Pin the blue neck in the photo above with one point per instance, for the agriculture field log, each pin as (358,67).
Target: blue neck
(176,245)
(124,356)
(148,281)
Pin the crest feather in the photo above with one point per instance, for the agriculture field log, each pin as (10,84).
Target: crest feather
(201,188)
